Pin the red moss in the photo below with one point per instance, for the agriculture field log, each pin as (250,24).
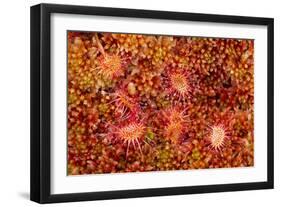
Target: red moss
(147,103)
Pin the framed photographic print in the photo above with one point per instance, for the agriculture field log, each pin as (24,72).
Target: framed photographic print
(132,103)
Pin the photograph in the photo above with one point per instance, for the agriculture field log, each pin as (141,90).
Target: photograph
(148,102)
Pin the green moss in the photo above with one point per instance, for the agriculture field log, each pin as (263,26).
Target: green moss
(103,108)
(196,155)
(72,98)
(150,134)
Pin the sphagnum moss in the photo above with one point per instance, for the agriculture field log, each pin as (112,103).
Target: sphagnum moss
(148,102)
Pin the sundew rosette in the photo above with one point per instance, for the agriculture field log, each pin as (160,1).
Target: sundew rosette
(154,103)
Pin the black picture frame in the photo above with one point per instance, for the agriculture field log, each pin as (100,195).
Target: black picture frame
(41,96)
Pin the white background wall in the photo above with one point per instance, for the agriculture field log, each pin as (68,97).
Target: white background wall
(14,101)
